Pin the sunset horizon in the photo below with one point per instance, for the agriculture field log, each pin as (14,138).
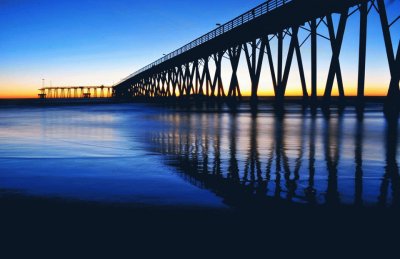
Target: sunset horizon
(90,60)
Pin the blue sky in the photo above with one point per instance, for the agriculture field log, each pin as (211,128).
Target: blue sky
(97,42)
(89,42)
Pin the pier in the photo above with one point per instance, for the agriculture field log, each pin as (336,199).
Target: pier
(186,71)
(75,92)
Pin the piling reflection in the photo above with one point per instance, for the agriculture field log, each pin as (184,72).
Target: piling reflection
(358,201)
(331,158)
(391,176)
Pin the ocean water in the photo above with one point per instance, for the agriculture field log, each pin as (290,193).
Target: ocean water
(146,155)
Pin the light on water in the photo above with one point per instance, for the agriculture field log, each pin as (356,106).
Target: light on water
(151,156)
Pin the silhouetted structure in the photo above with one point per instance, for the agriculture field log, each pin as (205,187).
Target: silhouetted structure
(67,92)
(186,71)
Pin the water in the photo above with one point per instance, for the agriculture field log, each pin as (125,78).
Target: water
(150,156)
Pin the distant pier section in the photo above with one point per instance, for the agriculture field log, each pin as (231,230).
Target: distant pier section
(76,92)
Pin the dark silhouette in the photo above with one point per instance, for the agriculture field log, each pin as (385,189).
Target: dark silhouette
(185,73)
(74,92)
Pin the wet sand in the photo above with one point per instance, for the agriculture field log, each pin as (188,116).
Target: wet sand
(74,228)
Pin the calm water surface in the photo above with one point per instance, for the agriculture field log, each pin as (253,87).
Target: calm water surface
(152,156)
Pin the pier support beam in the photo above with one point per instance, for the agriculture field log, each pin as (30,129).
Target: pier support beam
(362,50)
(314,71)
(197,78)
(336,44)
(206,78)
(394,61)
(280,57)
(192,72)
(271,64)
(217,83)
(234,56)
(282,83)
(254,64)
(300,63)
(169,82)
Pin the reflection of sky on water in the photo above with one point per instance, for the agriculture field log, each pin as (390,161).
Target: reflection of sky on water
(58,133)
(112,153)
(89,153)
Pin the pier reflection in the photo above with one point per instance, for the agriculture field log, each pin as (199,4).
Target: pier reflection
(332,158)
(391,178)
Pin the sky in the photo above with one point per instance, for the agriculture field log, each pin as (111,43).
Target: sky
(89,42)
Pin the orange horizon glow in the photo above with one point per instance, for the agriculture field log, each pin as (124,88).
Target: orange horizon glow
(371,90)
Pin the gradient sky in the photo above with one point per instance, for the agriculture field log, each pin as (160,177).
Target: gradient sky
(89,42)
